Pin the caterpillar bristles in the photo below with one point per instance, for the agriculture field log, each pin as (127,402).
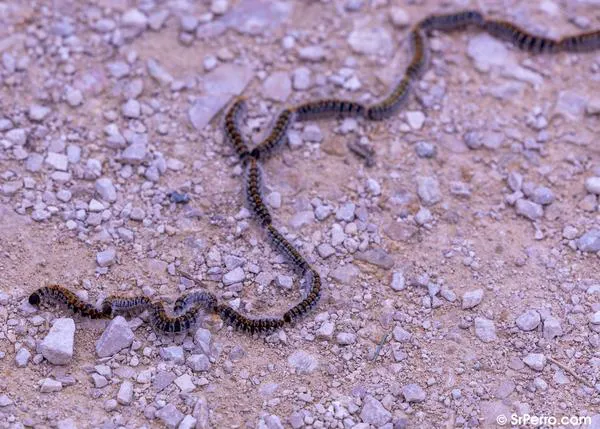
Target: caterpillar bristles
(328,108)
(452,21)
(68,298)
(276,138)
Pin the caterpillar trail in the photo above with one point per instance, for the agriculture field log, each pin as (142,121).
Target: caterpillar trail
(329,108)
(231,127)
(68,298)
(452,21)
(277,137)
(254,192)
(188,306)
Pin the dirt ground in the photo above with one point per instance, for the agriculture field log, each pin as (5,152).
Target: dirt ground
(461,271)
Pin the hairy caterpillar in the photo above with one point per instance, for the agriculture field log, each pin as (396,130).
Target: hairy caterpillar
(523,40)
(322,109)
(389,106)
(277,137)
(231,127)
(314,294)
(254,191)
(239,321)
(286,248)
(581,43)
(65,296)
(161,321)
(203,298)
(420,60)
(452,21)
(120,304)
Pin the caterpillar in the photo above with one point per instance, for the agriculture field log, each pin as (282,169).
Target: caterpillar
(389,106)
(523,40)
(420,60)
(161,321)
(277,137)
(580,43)
(452,21)
(254,191)
(185,302)
(231,127)
(119,304)
(328,108)
(286,248)
(68,298)
(307,303)
(241,322)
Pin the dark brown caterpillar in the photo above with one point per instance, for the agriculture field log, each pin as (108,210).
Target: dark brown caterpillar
(254,192)
(307,303)
(420,60)
(389,106)
(231,127)
(277,137)
(65,296)
(329,108)
(523,40)
(585,42)
(161,321)
(452,21)
(284,246)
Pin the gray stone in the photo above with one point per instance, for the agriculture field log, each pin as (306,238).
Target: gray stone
(536,361)
(106,258)
(313,53)
(117,336)
(277,86)
(34,162)
(312,133)
(326,330)
(345,274)
(173,353)
(74,97)
(285,282)
(542,195)
(198,363)
(592,185)
(49,386)
(135,153)
(590,241)
(57,161)
(301,79)
(106,190)
(302,218)
(374,40)
(5,401)
(346,212)
(528,320)
(325,250)
(125,394)
(158,72)
(17,136)
(472,298)
(487,52)
(38,113)
(236,275)
(399,17)
(170,416)
(428,189)
(22,357)
(377,256)
(303,362)
(373,412)
(134,18)
(485,330)
(413,393)
(345,338)
(188,422)
(57,346)
(131,109)
(529,209)
(426,149)
(401,335)
(398,282)
(552,328)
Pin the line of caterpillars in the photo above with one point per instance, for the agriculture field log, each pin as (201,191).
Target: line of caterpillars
(187,306)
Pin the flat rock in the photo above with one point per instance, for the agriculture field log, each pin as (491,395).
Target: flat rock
(472,298)
(374,40)
(428,189)
(277,86)
(528,320)
(413,393)
(170,416)
(485,330)
(303,362)
(529,209)
(345,274)
(377,257)
(486,51)
(117,336)
(536,361)
(57,346)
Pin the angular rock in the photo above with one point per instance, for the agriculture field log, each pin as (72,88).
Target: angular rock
(117,336)
(528,320)
(413,393)
(472,298)
(170,416)
(485,330)
(536,361)
(373,412)
(590,241)
(57,346)
(303,362)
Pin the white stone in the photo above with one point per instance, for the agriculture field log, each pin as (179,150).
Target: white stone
(106,190)
(528,320)
(536,361)
(485,330)
(125,394)
(592,185)
(57,346)
(415,119)
(374,413)
(49,385)
(236,275)
(277,86)
(58,161)
(106,258)
(413,393)
(472,298)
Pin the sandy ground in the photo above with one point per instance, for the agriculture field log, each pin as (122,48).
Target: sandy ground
(461,278)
